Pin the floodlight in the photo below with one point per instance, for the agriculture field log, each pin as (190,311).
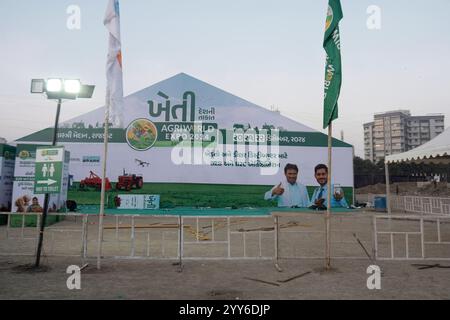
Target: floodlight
(72,86)
(37,86)
(54,85)
(86,91)
(57,89)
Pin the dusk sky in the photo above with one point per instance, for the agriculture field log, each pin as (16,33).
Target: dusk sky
(267,52)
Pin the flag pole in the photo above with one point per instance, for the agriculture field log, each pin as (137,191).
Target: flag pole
(332,88)
(114,60)
(328,213)
(102,194)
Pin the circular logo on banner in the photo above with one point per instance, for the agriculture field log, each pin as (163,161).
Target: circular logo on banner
(329,18)
(141,134)
(24,154)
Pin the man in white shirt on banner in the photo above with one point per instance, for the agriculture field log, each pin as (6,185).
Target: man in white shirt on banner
(289,193)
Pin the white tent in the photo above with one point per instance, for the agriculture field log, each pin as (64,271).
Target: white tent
(436,150)
(185,106)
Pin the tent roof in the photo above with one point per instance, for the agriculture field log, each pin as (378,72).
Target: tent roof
(434,151)
(206,95)
(229,109)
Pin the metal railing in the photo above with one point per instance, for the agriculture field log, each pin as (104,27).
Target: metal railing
(412,204)
(421,205)
(280,236)
(429,242)
(350,235)
(139,236)
(225,239)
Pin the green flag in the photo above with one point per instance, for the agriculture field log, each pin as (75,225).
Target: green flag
(333,72)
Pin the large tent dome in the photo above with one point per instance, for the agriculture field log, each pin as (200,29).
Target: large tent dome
(155,116)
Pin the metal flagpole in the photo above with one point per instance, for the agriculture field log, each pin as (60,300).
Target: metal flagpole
(114,88)
(102,195)
(328,213)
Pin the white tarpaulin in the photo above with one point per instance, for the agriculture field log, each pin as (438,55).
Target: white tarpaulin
(114,90)
(435,150)
(157,118)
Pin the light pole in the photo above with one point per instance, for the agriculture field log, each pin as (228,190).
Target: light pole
(57,89)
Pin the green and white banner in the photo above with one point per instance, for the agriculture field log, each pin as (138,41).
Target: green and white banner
(7,158)
(183,130)
(49,167)
(333,69)
(24,197)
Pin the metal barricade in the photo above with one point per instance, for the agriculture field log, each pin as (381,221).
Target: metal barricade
(420,205)
(418,237)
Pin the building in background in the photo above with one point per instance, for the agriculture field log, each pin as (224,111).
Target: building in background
(397,131)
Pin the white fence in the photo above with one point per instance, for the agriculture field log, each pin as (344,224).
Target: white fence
(269,237)
(143,236)
(421,205)
(412,204)
(401,237)
(359,235)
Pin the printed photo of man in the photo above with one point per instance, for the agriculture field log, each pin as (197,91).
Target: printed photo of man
(289,192)
(319,199)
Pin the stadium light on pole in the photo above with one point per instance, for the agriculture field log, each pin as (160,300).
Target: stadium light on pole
(57,89)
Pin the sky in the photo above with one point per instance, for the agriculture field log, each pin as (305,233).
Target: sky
(267,52)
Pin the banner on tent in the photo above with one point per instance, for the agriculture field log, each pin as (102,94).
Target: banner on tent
(183,130)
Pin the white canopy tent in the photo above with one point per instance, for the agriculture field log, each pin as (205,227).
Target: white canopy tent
(436,150)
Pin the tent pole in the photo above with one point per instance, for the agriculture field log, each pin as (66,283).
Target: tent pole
(388,188)
(102,195)
(353,174)
(328,213)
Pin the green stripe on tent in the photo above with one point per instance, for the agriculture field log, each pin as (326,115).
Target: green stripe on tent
(286,138)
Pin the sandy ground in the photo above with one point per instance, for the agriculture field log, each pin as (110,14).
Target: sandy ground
(222,280)
(301,239)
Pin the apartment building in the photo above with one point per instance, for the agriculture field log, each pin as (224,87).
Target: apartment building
(398,131)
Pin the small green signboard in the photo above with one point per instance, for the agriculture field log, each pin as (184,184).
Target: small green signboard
(48,170)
